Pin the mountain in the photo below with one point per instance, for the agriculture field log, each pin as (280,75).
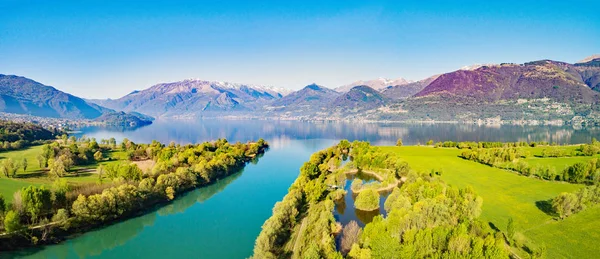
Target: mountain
(196,97)
(590,58)
(404,91)
(24,96)
(541,79)
(312,98)
(543,90)
(359,98)
(21,95)
(377,84)
(590,72)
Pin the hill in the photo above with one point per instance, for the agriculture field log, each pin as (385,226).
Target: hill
(359,98)
(125,119)
(29,132)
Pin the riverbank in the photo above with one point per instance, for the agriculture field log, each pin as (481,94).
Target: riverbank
(131,193)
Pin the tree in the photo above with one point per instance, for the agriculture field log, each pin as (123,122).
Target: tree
(100,171)
(47,151)
(399,142)
(98,156)
(2,205)
(170,193)
(430,142)
(8,168)
(350,235)
(24,164)
(60,188)
(42,161)
(510,229)
(66,161)
(57,167)
(93,145)
(12,221)
(37,201)
(564,204)
(112,142)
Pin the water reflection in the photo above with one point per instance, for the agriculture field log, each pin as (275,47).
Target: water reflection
(280,133)
(96,242)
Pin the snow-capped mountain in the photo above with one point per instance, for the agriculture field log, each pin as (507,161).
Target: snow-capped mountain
(377,84)
(192,96)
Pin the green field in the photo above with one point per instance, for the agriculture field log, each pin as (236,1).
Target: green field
(507,194)
(37,176)
(559,163)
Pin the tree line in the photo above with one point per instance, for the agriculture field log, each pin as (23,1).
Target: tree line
(511,158)
(488,144)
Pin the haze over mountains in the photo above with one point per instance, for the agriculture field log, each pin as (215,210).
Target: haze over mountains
(539,90)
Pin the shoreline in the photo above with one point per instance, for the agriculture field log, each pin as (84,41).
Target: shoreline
(22,239)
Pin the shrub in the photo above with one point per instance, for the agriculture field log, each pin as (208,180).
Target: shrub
(399,142)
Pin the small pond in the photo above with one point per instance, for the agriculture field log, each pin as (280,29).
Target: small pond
(344,208)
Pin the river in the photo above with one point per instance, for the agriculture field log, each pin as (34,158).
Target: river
(222,220)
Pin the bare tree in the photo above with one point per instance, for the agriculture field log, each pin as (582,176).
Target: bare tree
(350,235)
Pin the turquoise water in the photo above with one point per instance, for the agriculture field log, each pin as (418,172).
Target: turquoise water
(223,220)
(219,221)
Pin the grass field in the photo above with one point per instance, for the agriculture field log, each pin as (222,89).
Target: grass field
(507,194)
(37,176)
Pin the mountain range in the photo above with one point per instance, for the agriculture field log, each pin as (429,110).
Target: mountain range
(377,84)
(538,90)
(21,95)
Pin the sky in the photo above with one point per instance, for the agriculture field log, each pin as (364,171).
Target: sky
(106,49)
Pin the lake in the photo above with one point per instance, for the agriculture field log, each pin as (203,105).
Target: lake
(222,220)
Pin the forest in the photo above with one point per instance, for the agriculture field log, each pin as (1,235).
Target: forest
(17,135)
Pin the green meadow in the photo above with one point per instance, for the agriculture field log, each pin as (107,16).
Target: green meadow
(34,175)
(525,199)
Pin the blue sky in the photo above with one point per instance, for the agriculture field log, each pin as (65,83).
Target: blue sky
(100,49)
